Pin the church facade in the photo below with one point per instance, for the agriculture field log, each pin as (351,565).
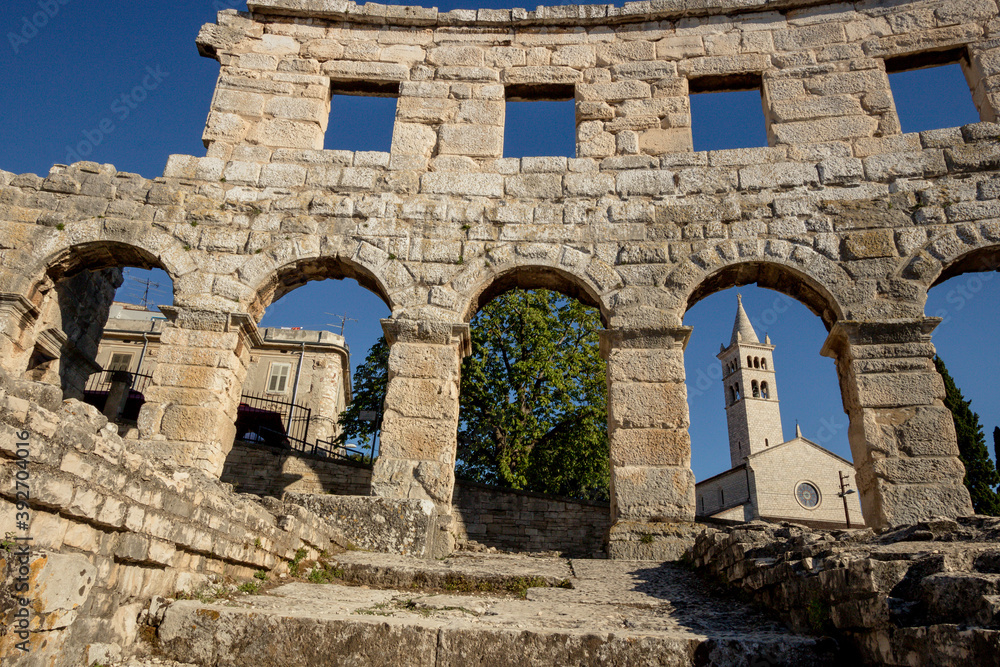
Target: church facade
(771,478)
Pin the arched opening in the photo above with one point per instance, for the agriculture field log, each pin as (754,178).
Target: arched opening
(533,413)
(536,278)
(748,449)
(301,424)
(97,308)
(966,296)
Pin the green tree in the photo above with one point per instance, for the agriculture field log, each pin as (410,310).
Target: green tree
(996,444)
(368,395)
(980,474)
(534,405)
(533,397)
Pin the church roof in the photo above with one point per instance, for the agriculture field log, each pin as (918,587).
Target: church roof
(742,329)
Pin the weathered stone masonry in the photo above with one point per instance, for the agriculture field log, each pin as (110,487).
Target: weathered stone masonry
(840,211)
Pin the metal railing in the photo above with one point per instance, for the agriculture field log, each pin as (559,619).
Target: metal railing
(98,386)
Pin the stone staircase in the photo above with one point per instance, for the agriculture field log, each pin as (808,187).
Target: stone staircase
(483,610)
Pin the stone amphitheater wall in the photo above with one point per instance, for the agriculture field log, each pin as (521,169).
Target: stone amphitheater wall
(841,210)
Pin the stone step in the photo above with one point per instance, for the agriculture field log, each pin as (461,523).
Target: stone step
(616,613)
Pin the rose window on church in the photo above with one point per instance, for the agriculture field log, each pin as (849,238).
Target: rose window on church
(807,495)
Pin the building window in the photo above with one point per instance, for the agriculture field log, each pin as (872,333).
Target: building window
(120,361)
(277,383)
(755,389)
(727,112)
(764,393)
(722,497)
(550,110)
(807,494)
(766,443)
(947,74)
(763,363)
(362,116)
(749,361)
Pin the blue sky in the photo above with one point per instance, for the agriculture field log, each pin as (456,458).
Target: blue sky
(123,83)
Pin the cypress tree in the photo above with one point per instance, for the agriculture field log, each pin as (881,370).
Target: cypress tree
(980,474)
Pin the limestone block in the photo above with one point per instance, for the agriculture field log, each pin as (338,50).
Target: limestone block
(472,56)
(473,140)
(423,361)
(284,133)
(589,185)
(60,585)
(647,405)
(298,109)
(419,439)
(840,171)
(282,176)
(680,47)
(551,74)
(782,174)
(899,389)
(620,52)
(425,398)
(413,139)
(869,244)
(505,56)
(577,56)
(478,185)
(650,447)
(909,503)
(808,108)
(644,365)
(238,101)
(613,92)
(642,182)
(534,186)
(408,478)
(920,163)
(481,112)
(662,493)
(354,70)
(258,61)
(193,424)
(825,129)
(402,53)
(663,141)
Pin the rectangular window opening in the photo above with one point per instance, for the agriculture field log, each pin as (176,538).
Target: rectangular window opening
(931,90)
(727,112)
(120,361)
(540,121)
(362,116)
(278,380)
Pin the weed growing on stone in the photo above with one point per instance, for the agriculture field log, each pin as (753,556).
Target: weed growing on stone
(256,543)
(7,544)
(250,587)
(646,538)
(818,614)
(260,574)
(293,567)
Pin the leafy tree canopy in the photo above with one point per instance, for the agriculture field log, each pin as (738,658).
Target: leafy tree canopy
(533,397)
(981,476)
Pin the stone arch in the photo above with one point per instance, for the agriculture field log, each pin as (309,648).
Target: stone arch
(534,276)
(270,278)
(128,244)
(792,272)
(950,254)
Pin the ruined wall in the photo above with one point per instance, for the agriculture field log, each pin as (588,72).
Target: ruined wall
(840,211)
(110,526)
(924,594)
(487,515)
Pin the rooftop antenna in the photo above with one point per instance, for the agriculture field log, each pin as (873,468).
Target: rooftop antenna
(146,284)
(344,319)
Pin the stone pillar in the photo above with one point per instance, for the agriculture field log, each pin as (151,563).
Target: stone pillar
(902,437)
(652,486)
(17,325)
(195,390)
(121,384)
(420,423)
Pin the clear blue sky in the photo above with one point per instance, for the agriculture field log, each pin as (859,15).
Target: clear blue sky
(61,94)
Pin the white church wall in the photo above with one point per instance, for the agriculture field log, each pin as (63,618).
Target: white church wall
(778,472)
(722,491)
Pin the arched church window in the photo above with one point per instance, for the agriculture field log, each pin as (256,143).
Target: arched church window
(756,362)
(755,389)
(763,363)
(766,443)
(763,390)
(732,395)
(737,388)
(749,361)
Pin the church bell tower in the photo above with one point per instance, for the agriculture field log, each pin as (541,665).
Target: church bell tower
(752,412)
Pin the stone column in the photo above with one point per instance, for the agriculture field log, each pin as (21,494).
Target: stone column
(195,390)
(420,423)
(902,437)
(17,325)
(652,486)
